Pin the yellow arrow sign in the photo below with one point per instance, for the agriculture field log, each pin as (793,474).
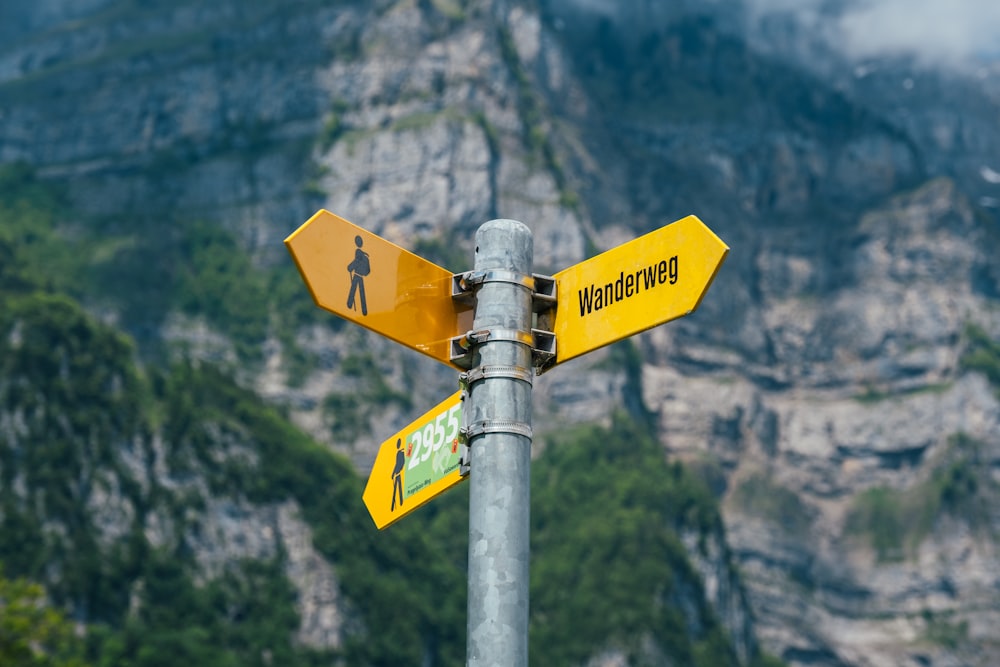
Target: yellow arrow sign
(416,464)
(638,285)
(375,283)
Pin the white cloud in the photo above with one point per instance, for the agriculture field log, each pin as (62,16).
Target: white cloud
(932,30)
(942,31)
(989,175)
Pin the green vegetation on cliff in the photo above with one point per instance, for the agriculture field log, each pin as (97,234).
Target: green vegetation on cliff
(609,572)
(142,274)
(982,355)
(32,633)
(895,522)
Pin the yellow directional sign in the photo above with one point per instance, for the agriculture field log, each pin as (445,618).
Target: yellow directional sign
(638,285)
(375,283)
(417,464)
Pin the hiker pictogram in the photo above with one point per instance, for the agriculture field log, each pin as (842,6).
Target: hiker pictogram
(358,268)
(397,471)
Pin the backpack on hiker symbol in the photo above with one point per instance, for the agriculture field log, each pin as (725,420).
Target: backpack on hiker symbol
(360,264)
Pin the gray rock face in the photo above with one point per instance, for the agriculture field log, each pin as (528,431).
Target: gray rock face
(230,529)
(873,397)
(324,614)
(822,374)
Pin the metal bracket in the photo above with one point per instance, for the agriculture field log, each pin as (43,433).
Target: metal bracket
(542,287)
(464,452)
(544,306)
(542,343)
(543,303)
(460,347)
(464,458)
(543,354)
(543,297)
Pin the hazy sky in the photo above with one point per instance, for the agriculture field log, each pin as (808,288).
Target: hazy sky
(934,30)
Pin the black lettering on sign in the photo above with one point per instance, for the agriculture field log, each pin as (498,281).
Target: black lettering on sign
(598,297)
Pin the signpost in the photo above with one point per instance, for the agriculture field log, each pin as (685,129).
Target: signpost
(416,464)
(366,279)
(638,285)
(375,283)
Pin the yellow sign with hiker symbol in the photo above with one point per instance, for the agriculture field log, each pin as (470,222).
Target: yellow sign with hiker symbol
(366,279)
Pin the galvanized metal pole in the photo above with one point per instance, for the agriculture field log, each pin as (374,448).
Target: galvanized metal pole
(499,428)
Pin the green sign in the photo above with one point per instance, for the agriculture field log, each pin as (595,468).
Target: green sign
(432,449)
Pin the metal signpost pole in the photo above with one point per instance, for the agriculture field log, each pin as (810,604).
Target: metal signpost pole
(498,426)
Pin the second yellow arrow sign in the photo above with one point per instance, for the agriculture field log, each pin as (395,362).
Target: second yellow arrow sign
(416,464)
(636,286)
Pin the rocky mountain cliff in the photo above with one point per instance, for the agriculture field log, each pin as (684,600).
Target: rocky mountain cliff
(835,387)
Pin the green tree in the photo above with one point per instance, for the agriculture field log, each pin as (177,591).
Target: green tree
(609,571)
(33,634)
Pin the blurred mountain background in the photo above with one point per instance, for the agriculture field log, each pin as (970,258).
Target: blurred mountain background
(806,471)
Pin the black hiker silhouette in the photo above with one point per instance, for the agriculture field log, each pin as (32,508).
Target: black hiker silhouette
(359,268)
(397,472)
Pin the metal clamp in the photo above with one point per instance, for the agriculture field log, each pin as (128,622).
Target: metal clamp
(484,372)
(460,347)
(471,279)
(542,287)
(542,343)
(464,285)
(498,334)
(496,426)
(467,433)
